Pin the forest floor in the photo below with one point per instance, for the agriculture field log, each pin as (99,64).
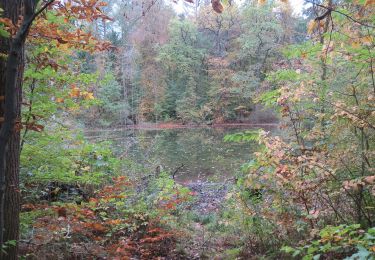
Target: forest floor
(209,196)
(67,230)
(205,242)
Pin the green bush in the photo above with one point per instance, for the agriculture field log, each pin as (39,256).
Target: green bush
(338,242)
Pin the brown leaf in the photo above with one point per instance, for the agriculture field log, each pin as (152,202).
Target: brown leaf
(60,40)
(61,212)
(217,6)
(370,2)
(35,127)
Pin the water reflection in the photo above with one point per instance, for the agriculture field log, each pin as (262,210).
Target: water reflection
(202,151)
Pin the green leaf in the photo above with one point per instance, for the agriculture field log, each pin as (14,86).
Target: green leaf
(287,249)
(269,98)
(306,257)
(362,253)
(3,32)
(316,257)
(11,242)
(296,253)
(311,250)
(246,136)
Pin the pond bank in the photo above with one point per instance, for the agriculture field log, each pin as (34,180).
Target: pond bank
(172,125)
(209,196)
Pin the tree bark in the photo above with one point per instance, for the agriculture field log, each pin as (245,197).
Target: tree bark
(12,10)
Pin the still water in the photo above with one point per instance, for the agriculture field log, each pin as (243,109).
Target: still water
(197,153)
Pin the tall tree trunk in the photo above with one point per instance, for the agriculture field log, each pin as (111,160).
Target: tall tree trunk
(12,10)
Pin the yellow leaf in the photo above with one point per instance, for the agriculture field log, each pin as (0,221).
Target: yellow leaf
(367,40)
(311,26)
(89,95)
(261,2)
(356,44)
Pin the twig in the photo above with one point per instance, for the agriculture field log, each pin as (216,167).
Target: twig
(68,232)
(330,9)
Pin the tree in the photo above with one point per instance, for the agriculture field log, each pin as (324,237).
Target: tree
(11,72)
(184,62)
(149,87)
(8,175)
(11,75)
(220,29)
(320,172)
(259,43)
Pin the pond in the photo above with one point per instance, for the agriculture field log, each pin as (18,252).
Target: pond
(194,154)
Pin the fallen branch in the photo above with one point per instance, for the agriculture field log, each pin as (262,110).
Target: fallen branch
(176,171)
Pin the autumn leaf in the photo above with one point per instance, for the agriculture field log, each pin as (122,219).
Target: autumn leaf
(98,227)
(367,40)
(356,44)
(369,2)
(75,92)
(60,40)
(88,95)
(34,127)
(59,100)
(61,212)
(217,6)
(114,222)
(28,207)
(311,26)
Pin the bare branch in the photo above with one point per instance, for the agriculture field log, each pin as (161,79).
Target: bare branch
(331,9)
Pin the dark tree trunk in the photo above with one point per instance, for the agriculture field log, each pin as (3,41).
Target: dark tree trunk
(12,10)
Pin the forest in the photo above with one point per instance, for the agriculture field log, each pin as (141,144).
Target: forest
(187,129)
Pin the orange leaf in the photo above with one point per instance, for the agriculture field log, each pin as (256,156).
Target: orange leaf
(369,2)
(59,100)
(98,227)
(75,92)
